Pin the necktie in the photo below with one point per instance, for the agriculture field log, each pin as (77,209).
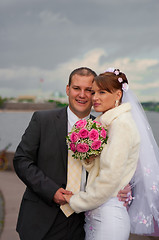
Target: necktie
(74,173)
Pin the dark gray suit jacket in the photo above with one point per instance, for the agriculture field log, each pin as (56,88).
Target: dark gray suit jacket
(40,162)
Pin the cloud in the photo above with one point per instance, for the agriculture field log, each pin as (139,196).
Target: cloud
(27,79)
(47,17)
(147,86)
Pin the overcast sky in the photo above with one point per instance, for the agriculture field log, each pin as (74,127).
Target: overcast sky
(47,39)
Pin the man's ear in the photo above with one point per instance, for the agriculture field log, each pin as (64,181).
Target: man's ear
(67,90)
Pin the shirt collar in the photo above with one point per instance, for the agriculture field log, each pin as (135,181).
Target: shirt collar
(72,118)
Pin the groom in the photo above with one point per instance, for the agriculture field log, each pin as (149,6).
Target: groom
(40,162)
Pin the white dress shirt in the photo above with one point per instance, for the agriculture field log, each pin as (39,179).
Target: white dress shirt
(72,119)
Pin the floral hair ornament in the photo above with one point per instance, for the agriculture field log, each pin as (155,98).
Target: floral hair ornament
(117,72)
(120,79)
(113,70)
(110,70)
(125,87)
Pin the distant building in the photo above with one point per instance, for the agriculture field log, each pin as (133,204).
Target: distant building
(26,98)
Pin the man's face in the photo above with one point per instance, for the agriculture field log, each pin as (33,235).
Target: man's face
(79,93)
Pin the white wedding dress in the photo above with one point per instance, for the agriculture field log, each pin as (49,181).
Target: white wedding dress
(110,221)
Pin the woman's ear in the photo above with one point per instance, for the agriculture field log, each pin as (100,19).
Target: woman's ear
(119,94)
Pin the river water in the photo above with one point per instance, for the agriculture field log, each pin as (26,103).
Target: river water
(13,125)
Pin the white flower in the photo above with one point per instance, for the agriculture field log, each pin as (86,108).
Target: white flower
(120,80)
(110,70)
(125,87)
(116,72)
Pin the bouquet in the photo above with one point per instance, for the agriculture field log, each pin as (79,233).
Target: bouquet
(86,138)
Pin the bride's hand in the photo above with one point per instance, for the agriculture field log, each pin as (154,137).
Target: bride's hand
(67,197)
(91,159)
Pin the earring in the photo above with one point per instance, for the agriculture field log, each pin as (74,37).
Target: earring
(116,103)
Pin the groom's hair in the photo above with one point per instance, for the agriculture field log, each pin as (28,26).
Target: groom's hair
(82,71)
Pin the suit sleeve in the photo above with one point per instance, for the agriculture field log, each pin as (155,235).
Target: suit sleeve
(25,163)
(114,161)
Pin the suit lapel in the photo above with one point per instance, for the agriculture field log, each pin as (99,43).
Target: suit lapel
(92,117)
(61,127)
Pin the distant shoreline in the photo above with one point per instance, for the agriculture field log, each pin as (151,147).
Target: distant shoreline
(14,110)
(32,106)
(33,110)
(28,107)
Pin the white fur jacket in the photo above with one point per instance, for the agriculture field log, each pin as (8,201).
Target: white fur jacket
(117,163)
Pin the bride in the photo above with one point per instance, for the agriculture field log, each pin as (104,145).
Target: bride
(106,217)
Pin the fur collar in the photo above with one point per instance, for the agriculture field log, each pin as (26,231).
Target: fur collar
(113,113)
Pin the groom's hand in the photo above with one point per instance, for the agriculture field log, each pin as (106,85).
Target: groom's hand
(58,196)
(124,195)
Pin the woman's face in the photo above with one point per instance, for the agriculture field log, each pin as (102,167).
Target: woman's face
(103,100)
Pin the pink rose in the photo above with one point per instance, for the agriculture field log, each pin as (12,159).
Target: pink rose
(93,135)
(83,133)
(96,145)
(103,133)
(82,147)
(74,137)
(73,147)
(81,123)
